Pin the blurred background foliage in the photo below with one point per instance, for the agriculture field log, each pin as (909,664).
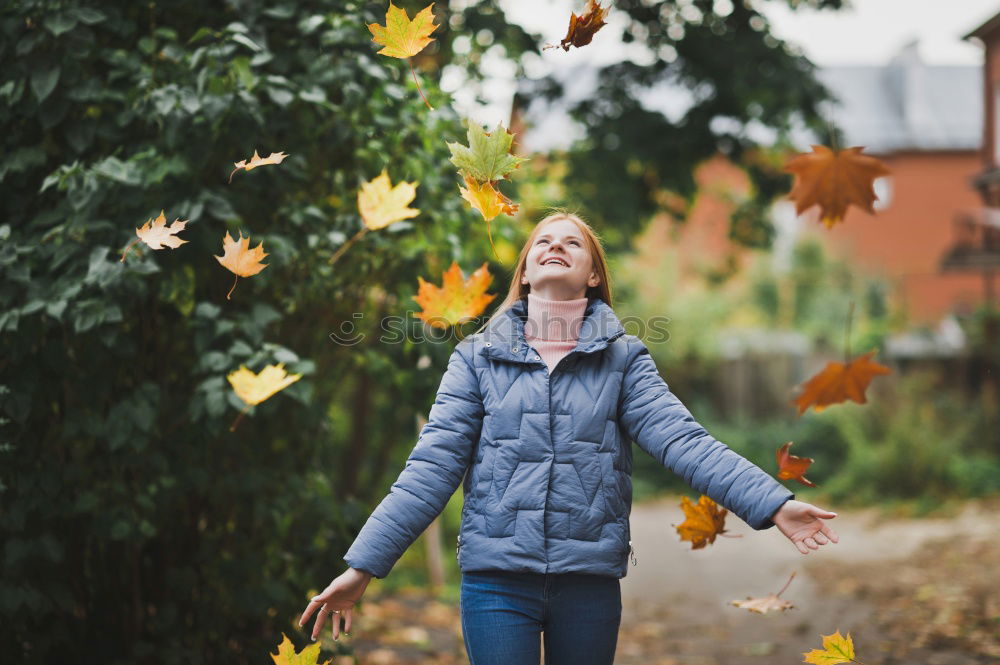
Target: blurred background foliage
(135,524)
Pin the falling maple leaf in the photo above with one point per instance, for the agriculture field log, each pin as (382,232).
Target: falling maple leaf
(288,656)
(834,180)
(403,38)
(792,466)
(487,158)
(582,28)
(839,382)
(488,200)
(240,259)
(253,389)
(836,649)
(157,235)
(704,521)
(457,300)
(767,603)
(257,160)
(381,204)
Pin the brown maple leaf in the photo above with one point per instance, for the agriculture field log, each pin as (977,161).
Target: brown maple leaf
(458,300)
(582,28)
(792,466)
(834,180)
(257,160)
(839,382)
(240,259)
(704,521)
(767,603)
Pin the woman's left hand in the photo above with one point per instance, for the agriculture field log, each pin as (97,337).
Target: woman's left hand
(803,524)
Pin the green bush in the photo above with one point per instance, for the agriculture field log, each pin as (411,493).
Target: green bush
(136,526)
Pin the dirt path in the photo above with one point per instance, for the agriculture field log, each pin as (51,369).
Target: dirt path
(908,590)
(676,600)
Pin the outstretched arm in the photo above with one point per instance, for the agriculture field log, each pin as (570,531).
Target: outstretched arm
(661,425)
(433,472)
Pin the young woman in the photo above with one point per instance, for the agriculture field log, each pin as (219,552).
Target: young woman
(535,413)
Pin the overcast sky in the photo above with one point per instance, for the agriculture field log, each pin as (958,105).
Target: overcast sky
(869,32)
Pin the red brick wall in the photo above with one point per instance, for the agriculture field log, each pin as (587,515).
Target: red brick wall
(906,240)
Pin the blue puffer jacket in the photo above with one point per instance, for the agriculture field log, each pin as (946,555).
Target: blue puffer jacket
(545,457)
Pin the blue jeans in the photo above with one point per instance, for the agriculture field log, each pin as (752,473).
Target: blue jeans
(503,613)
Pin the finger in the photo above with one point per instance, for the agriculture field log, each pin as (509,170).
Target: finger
(830,533)
(310,608)
(819,512)
(802,548)
(810,543)
(318,626)
(820,538)
(336,625)
(348,617)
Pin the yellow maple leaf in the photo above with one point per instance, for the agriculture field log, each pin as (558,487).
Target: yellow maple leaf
(157,235)
(240,259)
(257,160)
(836,649)
(287,656)
(457,300)
(489,201)
(381,204)
(255,388)
(485,198)
(704,521)
(403,38)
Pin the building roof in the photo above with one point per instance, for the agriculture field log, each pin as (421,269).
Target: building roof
(986,28)
(907,104)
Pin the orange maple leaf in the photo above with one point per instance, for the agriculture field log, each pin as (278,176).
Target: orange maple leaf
(839,382)
(792,466)
(458,300)
(157,235)
(257,160)
(582,28)
(403,38)
(240,259)
(704,521)
(834,180)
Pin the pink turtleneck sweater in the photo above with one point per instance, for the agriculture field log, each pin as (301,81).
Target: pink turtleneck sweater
(553,326)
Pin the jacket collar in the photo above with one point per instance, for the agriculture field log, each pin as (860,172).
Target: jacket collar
(504,337)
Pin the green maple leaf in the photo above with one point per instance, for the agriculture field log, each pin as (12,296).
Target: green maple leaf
(487,157)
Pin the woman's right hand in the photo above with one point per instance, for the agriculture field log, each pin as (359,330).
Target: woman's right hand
(341,594)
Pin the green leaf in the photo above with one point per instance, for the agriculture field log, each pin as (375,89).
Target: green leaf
(88,15)
(43,81)
(487,157)
(59,23)
(246,41)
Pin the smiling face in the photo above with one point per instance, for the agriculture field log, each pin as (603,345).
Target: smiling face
(559,265)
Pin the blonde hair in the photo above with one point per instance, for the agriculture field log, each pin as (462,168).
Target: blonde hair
(518,290)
